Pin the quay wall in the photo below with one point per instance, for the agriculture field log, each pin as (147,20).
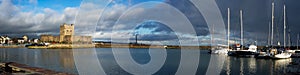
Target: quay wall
(13,46)
(71,46)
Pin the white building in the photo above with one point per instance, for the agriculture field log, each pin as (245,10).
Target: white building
(21,40)
(35,40)
(2,40)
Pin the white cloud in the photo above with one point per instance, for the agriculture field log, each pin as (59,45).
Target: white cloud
(49,11)
(30,21)
(33,1)
(7,9)
(85,19)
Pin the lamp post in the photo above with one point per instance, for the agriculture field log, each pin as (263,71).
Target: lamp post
(136,35)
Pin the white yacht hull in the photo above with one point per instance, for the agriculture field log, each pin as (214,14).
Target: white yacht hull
(221,51)
(282,56)
(290,51)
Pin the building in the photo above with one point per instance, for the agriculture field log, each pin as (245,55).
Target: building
(2,39)
(66,30)
(47,38)
(20,40)
(5,40)
(66,36)
(78,39)
(25,38)
(34,40)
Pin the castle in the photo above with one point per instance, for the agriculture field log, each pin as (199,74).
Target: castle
(66,36)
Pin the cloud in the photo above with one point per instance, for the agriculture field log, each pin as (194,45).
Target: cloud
(7,9)
(91,16)
(129,22)
(33,1)
(110,16)
(27,22)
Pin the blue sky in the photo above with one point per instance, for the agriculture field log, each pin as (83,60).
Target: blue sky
(58,5)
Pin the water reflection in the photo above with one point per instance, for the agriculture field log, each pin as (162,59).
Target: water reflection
(56,59)
(62,60)
(249,66)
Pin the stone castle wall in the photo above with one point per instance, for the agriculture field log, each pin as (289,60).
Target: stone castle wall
(66,36)
(66,30)
(46,38)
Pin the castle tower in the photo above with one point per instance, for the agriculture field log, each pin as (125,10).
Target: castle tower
(66,30)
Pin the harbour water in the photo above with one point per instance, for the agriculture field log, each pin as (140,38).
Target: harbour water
(62,60)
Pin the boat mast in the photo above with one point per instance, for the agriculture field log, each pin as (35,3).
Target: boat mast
(284,26)
(297,41)
(212,35)
(272,26)
(228,23)
(289,40)
(241,18)
(269,34)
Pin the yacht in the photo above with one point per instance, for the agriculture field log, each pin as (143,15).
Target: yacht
(251,51)
(238,49)
(219,50)
(279,54)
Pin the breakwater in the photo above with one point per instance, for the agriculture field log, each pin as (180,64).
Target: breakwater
(109,45)
(62,46)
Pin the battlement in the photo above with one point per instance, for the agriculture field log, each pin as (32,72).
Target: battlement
(66,29)
(66,35)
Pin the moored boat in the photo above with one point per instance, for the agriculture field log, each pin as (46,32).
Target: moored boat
(296,54)
(275,54)
(262,55)
(281,56)
(36,45)
(221,49)
(251,51)
(218,50)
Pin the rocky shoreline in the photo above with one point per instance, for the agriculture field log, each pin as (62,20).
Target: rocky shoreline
(12,68)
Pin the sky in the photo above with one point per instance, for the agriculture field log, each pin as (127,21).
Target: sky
(153,21)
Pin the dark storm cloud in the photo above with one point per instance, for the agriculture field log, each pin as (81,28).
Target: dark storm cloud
(194,16)
(150,25)
(156,31)
(256,18)
(157,37)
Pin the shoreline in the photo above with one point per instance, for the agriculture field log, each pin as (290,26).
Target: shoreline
(11,68)
(108,45)
(13,46)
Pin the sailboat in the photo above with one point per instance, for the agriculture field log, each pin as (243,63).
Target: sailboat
(297,51)
(289,49)
(289,35)
(239,50)
(221,49)
(275,53)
